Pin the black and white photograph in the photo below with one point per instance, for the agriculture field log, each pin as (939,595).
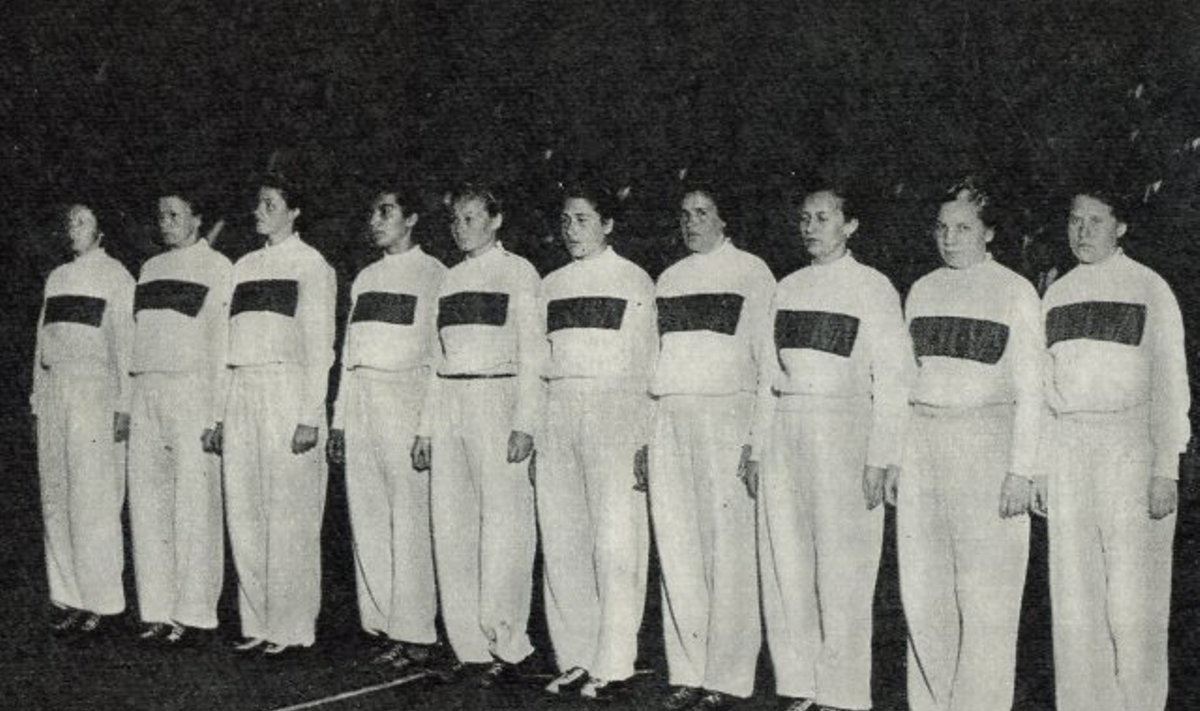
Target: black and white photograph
(684,355)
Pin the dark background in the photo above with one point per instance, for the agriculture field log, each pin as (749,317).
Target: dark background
(103,101)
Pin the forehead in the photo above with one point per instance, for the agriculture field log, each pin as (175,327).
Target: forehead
(577,205)
(470,205)
(270,194)
(1091,205)
(385,199)
(959,210)
(173,203)
(822,201)
(80,212)
(697,201)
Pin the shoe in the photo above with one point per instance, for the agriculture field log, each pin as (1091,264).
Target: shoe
(800,705)
(712,701)
(152,631)
(389,654)
(277,651)
(184,637)
(684,697)
(93,628)
(568,682)
(604,690)
(451,670)
(246,645)
(66,621)
(498,673)
(415,657)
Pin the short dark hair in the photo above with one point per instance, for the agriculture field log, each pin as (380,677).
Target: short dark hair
(187,193)
(972,189)
(707,189)
(600,198)
(1120,202)
(407,196)
(848,200)
(477,191)
(289,189)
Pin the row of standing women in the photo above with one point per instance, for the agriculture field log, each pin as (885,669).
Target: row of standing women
(768,422)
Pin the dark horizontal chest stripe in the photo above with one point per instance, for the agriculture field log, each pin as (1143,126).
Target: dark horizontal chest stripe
(186,297)
(1112,321)
(479,308)
(385,307)
(956,337)
(86,310)
(585,312)
(816,330)
(275,295)
(700,312)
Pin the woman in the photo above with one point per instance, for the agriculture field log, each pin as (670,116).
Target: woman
(842,400)
(81,397)
(966,484)
(600,325)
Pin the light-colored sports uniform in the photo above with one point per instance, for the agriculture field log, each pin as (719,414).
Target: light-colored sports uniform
(280,348)
(488,384)
(390,341)
(976,408)
(842,400)
(181,310)
(1117,386)
(80,378)
(603,340)
(713,387)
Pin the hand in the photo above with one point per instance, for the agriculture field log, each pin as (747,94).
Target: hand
(213,439)
(748,471)
(120,426)
(304,439)
(873,482)
(1015,495)
(641,468)
(891,485)
(1040,504)
(335,447)
(520,446)
(422,453)
(1164,497)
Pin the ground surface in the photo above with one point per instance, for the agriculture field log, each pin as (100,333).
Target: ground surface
(37,672)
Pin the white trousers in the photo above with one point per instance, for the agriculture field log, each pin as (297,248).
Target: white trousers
(82,474)
(962,566)
(819,551)
(595,534)
(174,501)
(1110,565)
(704,527)
(274,503)
(484,533)
(389,505)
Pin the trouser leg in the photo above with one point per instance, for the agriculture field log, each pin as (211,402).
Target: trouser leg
(369,497)
(151,504)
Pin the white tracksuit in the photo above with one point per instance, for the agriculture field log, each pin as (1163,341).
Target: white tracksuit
(181,310)
(842,401)
(80,378)
(281,332)
(976,408)
(390,341)
(1117,385)
(713,387)
(488,384)
(603,339)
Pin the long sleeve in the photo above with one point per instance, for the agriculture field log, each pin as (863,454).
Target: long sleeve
(760,309)
(315,316)
(39,375)
(892,370)
(644,317)
(1170,396)
(217,329)
(339,403)
(1026,372)
(120,339)
(531,354)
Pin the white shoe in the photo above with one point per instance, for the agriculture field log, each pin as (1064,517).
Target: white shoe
(569,680)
